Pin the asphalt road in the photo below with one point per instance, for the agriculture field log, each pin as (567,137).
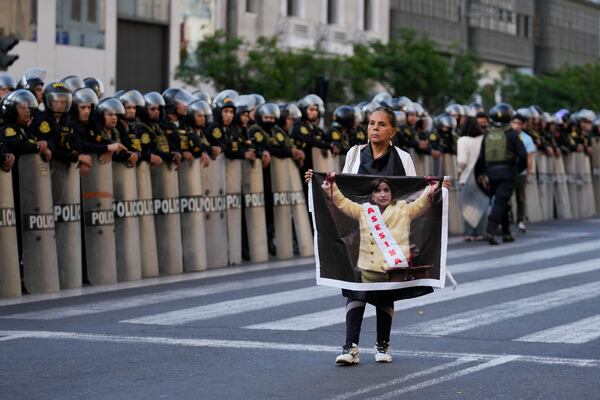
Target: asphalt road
(524,323)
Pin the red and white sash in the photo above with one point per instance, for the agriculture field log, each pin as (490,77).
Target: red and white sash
(383,237)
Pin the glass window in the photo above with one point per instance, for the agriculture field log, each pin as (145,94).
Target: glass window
(19,18)
(368,15)
(292,8)
(153,10)
(73,30)
(252,6)
(332,12)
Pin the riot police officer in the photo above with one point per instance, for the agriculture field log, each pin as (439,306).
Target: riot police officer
(358,134)
(7,84)
(155,145)
(199,115)
(33,80)
(107,115)
(443,139)
(51,125)
(17,109)
(222,132)
(501,158)
(133,102)
(306,131)
(244,105)
(96,85)
(344,120)
(176,102)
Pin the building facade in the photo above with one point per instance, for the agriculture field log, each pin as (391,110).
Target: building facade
(137,43)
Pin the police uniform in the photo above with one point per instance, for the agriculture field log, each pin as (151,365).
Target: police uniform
(338,136)
(153,140)
(65,145)
(128,137)
(358,136)
(443,141)
(196,141)
(308,136)
(91,143)
(501,159)
(17,140)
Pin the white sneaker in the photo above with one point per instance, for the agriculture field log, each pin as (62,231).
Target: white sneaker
(349,355)
(382,352)
(522,227)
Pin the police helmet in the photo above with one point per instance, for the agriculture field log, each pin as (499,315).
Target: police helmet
(345,116)
(132,97)
(96,85)
(230,94)
(174,96)
(476,108)
(412,108)
(403,102)
(109,105)
(596,123)
(7,81)
(535,113)
(73,82)
(12,100)
(547,118)
(501,114)
(31,78)
(586,115)
(259,100)
(445,121)
(54,93)
(267,110)
(200,107)
(245,103)
(200,95)
(455,110)
(524,114)
(400,117)
(369,107)
(359,115)
(83,96)
(311,100)
(154,99)
(383,98)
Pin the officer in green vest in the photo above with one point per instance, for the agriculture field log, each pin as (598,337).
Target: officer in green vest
(501,159)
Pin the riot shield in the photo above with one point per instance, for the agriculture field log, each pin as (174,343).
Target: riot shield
(66,195)
(550,183)
(149,254)
(572,184)
(562,200)
(473,202)
(254,207)
(127,210)
(192,216)
(302,227)
(541,162)
(165,190)
(455,222)
(424,164)
(282,207)
(596,171)
(324,161)
(10,280)
(532,196)
(215,209)
(40,265)
(233,188)
(98,224)
(588,204)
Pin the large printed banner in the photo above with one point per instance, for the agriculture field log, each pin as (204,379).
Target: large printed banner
(379,233)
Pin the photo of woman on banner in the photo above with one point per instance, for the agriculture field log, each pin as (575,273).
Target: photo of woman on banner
(385,253)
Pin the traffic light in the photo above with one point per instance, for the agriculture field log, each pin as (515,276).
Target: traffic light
(6,44)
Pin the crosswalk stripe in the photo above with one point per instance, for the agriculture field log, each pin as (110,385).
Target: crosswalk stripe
(484,248)
(231,307)
(334,316)
(454,375)
(500,312)
(527,257)
(581,331)
(155,298)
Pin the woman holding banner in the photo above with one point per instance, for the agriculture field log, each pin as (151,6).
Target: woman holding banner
(377,157)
